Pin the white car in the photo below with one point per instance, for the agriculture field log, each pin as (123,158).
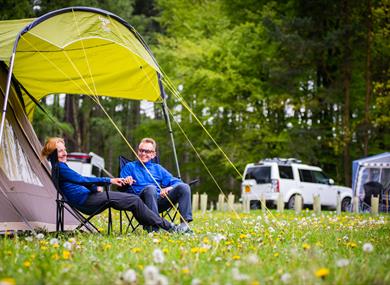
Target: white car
(269,177)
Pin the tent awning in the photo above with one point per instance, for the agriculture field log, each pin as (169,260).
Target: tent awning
(80,50)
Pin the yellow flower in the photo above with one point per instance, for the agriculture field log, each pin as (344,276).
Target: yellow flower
(195,249)
(140,266)
(306,246)
(56,245)
(107,246)
(66,254)
(27,264)
(255,282)
(55,256)
(43,248)
(203,250)
(276,254)
(322,272)
(165,250)
(205,240)
(236,257)
(136,249)
(7,281)
(185,270)
(242,236)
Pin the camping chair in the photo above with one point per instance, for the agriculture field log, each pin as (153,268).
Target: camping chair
(75,211)
(170,213)
(375,189)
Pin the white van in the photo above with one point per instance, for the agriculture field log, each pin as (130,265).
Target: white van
(269,177)
(86,164)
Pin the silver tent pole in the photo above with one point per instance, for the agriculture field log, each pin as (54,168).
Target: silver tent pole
(11,67)
(168,121)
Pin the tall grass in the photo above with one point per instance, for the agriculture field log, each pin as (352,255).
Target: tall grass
(225,249)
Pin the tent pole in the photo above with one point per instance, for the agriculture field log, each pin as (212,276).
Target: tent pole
(11,67)
(168,122)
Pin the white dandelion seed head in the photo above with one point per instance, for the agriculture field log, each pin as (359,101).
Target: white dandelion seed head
(342,262)
(67,245)
(29,238)
(285,278)
(161,280)
(252,259)
(239,276)
(368,247)
(158,256)
(129,276)
(151,273)
(40,236)
(54,241)
(196,281)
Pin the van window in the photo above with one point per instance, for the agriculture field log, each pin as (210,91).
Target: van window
(261,174)
(285,172)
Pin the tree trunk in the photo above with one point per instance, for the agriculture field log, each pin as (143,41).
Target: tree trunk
(71,112)
(346,73)
(368,78)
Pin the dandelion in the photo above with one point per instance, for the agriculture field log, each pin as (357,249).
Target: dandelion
(7,281)
(27,264)
(40,236)
(368,247)
(161,280)
(322,272)
(129,276)
(67,245)
(135,250)
(107,246)
(238,276)
(196,281)
(285,278)
(158,256)
(342,262)
(151,273)
(185,270)
(252,259)
(53,241)
(236,257)
(66,254)
(306,246)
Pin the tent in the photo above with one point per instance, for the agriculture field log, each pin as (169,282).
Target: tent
(76,50)
(370,169)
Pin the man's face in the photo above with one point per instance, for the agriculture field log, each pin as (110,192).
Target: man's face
(146,152)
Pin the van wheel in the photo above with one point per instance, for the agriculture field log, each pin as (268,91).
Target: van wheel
(291,202)
(254,205)
(346,204)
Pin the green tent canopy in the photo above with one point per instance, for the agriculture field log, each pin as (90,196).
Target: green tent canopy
(79,50)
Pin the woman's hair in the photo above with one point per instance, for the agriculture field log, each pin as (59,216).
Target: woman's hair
(51,145)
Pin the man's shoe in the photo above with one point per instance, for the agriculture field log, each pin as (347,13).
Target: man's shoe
(182,228)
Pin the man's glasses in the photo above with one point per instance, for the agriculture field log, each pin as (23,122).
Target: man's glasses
(147,151)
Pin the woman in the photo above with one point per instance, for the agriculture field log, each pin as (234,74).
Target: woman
(82,193)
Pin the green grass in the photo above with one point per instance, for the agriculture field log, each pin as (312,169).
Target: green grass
(225,249)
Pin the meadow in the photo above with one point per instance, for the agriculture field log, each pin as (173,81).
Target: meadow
(226,248)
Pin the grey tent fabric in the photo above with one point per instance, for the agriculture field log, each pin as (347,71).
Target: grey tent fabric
(27,194)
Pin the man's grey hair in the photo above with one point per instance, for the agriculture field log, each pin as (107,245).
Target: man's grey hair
(149,140)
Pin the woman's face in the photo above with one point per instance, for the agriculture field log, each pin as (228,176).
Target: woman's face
(61,150)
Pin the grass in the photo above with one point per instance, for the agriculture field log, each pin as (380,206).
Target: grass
(278,248)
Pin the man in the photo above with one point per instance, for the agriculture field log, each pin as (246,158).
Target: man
(155,185)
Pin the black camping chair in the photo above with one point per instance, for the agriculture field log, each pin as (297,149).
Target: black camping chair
(372,188)
(170,213)
(75,211)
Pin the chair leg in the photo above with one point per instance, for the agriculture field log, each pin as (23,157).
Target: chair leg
(109,221)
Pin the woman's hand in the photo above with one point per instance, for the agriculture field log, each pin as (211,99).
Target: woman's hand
(117,181)
(164,191)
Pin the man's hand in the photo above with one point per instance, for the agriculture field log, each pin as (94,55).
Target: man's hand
(164,191)
(129,180)
(117,181)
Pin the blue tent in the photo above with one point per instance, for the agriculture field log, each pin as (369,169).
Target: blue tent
(373,168)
